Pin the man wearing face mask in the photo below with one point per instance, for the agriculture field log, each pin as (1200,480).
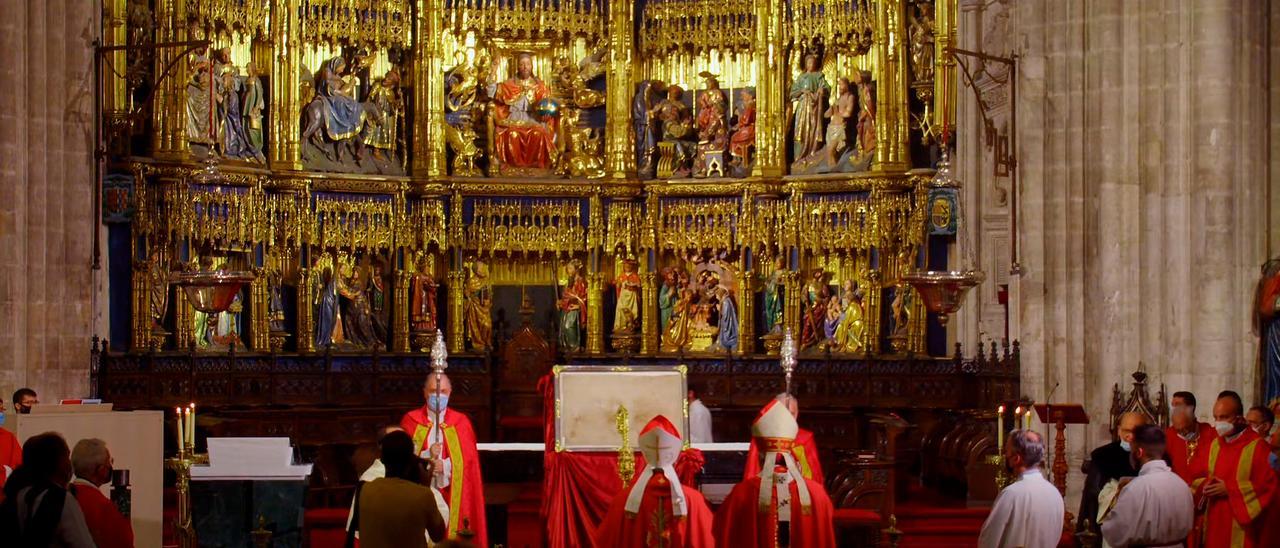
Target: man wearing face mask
(1233,483)
(93,464)
(1107,466)
(1186,434)
(1154,509)
(451,448)
(1260,420)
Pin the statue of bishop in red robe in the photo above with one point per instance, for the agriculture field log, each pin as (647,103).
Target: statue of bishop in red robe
(778,507)
(451,447)
(656,510)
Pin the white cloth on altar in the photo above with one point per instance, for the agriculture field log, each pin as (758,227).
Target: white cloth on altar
(377,470)
(1154,509)
(699,423)
(1027,513)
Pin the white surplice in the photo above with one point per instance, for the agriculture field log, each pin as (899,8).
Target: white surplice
(1154,509)
(699,423)
(1027,513)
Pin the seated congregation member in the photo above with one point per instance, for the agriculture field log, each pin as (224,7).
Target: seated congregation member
(92,463)
(1186,434)
(377,470)
(1153,509)
(37,509)
(1108,464)
(778,506)
(451,448)
(805,449)
(656,506)
(1029,512)
(397,511)
(1233,483)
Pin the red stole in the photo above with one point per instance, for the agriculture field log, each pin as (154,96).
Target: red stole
(655,524)
(740,523)
(1250,481)
(805,451)
(1181,453)
(110,529)
(466,505)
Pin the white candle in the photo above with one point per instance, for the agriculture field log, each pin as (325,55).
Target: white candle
(1000,429)
(182,437)
(1027,424)
(191,426)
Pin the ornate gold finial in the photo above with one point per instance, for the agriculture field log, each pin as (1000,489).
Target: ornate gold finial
(626,456)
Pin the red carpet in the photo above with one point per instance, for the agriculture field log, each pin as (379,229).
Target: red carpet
(928,519)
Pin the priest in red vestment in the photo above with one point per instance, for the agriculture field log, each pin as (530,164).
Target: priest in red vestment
(522,140)
(1233,483)
(805,449)
(452,450)
(10,451)
(778,507)
(656,510)
(92,463)
(1185,435)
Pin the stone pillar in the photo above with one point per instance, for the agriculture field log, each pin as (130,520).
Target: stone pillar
(771,120)
(285,135)
(619,154)
(428,91)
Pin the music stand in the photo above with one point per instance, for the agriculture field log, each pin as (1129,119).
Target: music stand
(1060,415)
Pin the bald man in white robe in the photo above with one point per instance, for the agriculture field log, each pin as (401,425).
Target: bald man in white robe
(1155,508)
(1029,512)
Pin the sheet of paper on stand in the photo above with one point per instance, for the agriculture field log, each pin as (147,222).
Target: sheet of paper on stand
(250,458)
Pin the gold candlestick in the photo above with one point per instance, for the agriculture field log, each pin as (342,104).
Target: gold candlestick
(181,465)
(626,456)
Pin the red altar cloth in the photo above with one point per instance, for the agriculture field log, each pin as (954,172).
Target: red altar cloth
(578,487)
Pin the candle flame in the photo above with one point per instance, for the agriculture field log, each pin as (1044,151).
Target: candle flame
(1001,409)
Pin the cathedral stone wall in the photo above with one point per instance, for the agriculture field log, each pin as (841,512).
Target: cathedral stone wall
(46,195)
(1142,212)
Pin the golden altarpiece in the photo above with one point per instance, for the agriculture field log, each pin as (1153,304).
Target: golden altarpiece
(683,176)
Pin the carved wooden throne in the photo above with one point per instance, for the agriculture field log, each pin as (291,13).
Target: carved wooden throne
(1138,400)
(526,358)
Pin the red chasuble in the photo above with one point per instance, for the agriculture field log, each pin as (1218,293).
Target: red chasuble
(110,529)
(654,524)
(465,504)
(1181,453)
(1242,464)
(805,451)
(741,524)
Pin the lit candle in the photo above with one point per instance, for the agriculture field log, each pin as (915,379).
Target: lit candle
(1017,417)
(191,426)
(1027,424)
(182,437)
(1000,429)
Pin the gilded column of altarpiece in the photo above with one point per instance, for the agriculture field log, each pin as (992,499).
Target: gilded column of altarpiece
(655,177)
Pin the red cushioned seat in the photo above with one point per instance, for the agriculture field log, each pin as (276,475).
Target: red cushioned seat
(326,527)
(855,516)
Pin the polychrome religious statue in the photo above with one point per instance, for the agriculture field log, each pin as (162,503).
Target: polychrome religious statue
(229,86)
(727,338)
(852,328)
(713,128)
(422,306)
(383,135)
(832,156)
(900,311)
(377,293)
(341,116)
(525,138)
(677,335)
(744,135)
(253,106)
(1267,325)
(328,312)
(642,125)
(668,294)
(626,317)
(478,302)
(773,297)
(199,105)
(814,304)
(865,146)
(678,131)
(809,101)
(573,307)
(357,314)
(275,300)
(158,296)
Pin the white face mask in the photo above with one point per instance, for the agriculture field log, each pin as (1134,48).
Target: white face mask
(1224,428)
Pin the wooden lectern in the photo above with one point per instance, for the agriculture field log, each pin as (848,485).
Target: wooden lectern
(1060,415)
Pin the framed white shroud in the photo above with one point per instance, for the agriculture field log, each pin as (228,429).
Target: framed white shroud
(588,397)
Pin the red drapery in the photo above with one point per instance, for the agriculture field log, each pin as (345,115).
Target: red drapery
(578,487)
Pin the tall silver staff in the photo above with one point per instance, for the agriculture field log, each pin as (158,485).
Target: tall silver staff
(788,355)
(439,362)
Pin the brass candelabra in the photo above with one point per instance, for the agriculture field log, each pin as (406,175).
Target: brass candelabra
(181,465)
